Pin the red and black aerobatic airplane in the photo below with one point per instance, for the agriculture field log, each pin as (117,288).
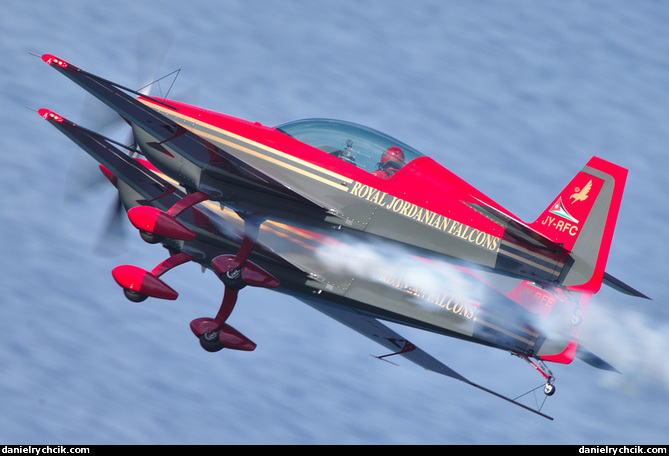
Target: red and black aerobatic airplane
(356,224)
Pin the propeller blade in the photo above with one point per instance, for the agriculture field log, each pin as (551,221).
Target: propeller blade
(112,238)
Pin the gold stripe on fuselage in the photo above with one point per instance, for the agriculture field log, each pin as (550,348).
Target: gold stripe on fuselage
(487,321)
(200,128)
(296,165)
(541,267)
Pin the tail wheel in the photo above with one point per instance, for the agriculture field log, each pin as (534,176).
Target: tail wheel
(549,389)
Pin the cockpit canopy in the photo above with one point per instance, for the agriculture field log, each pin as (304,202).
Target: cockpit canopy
(353,143)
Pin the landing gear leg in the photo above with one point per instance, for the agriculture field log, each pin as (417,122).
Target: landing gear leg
(549,387)
(236,272)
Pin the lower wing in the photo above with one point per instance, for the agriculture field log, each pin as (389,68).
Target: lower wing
(380,333)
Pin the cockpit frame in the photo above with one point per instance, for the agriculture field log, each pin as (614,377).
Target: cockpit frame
(353,143)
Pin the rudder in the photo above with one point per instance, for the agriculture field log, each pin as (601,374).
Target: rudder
(582,219)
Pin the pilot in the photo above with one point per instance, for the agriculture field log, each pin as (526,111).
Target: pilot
(391,160)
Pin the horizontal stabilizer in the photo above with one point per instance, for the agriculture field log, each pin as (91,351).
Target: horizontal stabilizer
(595,361)
(532,237)
(616,284)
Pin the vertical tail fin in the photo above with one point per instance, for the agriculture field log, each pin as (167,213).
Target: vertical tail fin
(582,218)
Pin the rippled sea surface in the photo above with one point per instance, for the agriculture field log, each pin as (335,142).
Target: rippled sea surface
(514,97)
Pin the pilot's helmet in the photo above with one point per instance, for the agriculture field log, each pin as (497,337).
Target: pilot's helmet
(393,156)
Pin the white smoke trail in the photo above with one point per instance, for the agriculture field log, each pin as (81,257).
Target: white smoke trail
(632,341)
(379,261)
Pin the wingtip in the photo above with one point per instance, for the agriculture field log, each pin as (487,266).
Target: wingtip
(50,115)
(53,60)
(49,59)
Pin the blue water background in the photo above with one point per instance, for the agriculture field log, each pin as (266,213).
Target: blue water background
(512,96)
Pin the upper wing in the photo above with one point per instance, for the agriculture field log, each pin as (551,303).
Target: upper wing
(378,332)
(186,143)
